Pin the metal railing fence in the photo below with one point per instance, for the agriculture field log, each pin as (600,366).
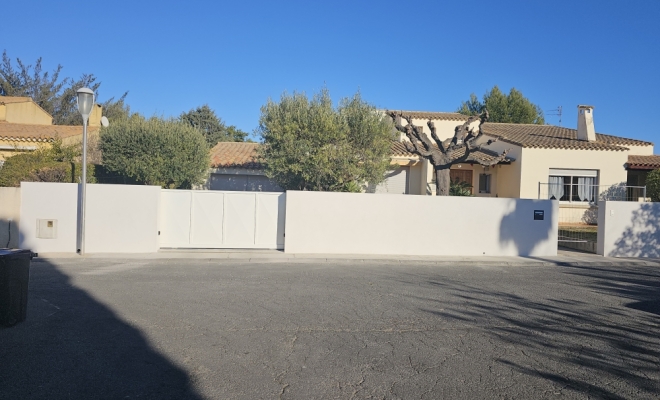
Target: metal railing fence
(591,194)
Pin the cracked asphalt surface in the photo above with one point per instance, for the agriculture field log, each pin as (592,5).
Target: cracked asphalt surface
(218,329)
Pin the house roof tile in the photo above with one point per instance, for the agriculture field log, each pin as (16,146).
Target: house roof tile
(443,116)
(235,155)
(643,162)
(555,137)
(39,133)
(244,155)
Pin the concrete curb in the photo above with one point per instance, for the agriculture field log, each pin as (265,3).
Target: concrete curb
(257,257)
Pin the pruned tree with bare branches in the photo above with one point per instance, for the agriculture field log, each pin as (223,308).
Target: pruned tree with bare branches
(443,154)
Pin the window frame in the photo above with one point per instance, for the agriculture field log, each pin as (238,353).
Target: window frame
(572,185)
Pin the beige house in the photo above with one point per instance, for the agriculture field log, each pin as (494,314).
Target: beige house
(234,166)
(24,126)
(578,167)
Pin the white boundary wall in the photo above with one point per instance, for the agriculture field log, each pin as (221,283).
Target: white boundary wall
(628,229)
(357,223)
(52,201)
(120,218)
(10,215)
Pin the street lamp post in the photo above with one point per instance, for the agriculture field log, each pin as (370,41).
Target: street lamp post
(85,104)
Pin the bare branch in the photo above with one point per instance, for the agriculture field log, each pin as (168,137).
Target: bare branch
(415,134)
(421,136)
(497,160)
(435,137)
(397,121)
(414,147)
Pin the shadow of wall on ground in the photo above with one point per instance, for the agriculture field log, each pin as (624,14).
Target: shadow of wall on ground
(571,343)
(71,346)
(535,232)
(642,237)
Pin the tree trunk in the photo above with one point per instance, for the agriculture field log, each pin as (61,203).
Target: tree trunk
(442,181)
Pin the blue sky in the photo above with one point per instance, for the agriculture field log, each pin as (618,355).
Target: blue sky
(419,55)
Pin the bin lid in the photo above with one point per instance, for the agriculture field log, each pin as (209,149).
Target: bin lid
(14,252)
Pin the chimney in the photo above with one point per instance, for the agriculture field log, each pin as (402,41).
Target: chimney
(585,128)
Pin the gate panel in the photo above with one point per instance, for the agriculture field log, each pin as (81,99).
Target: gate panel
(174,218)
(206,225)
(215,220)
(239,220)
(270,220)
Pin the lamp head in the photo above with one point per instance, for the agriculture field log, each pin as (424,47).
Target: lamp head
(85,102)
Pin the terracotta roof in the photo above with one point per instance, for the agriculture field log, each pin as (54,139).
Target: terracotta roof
(399,150)
(11,99)
(38,133)
(244,155)
(444,116)
(235,155)
(555,137)
(643,162)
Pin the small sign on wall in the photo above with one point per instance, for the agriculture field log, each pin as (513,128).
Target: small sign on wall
(539,215)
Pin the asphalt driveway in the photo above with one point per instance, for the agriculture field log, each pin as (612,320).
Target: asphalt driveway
(217,329)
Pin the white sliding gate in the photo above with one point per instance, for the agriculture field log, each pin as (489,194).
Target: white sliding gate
(214,219)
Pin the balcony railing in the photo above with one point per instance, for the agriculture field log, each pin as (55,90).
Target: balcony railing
(591,194)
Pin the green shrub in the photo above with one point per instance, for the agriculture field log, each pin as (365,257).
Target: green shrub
(55,163)
(155,151)
(460,188)
(653,185)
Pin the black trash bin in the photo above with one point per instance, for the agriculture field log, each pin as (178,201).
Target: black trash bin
(14,278)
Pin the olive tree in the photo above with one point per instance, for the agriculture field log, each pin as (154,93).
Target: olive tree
(311,145)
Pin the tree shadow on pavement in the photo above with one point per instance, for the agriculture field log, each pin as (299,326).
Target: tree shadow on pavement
(72,346)
(604,343)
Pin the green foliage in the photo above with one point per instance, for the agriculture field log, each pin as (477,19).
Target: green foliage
(56,96)
(155,151)
(214,130)
(310,145)
(653,185)
(460,188)
(56,163)
(512,108)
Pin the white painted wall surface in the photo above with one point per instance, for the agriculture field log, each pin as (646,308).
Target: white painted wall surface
(43,200)
(10,215)
(119,219)
(640,150)
(628,229)
(508,176)
(354,223)
(536,165)
(122,219)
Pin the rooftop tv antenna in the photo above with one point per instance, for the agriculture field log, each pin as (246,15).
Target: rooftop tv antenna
(555,112)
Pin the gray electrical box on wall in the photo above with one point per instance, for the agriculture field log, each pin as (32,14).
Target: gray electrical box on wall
(47,229)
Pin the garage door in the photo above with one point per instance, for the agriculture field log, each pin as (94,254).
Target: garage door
(214,219)
(243,183)
(396,182)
